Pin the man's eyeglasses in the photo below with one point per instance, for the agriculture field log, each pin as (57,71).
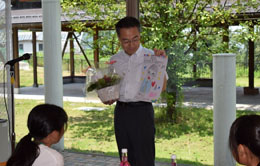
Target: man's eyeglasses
(134,40)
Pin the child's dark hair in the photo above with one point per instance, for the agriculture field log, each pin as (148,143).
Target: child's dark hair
(43,119)
(127,22)
(245,130)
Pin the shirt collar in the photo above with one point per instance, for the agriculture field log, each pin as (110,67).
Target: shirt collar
(138,51)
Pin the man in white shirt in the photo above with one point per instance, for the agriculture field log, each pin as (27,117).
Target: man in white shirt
(134,118)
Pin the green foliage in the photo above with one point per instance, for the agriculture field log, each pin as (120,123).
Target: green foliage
(103,15)
(104,82)
(193,24)
(189,30)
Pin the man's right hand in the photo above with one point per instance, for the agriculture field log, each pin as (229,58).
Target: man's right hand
(110,102)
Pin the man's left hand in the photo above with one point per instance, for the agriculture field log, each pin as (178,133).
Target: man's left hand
(159,52)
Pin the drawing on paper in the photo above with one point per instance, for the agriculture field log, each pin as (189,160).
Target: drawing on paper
(152,77)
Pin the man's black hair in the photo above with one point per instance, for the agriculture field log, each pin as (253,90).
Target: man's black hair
(127,22)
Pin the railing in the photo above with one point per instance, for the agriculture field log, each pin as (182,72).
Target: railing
(80,64)
(204,70)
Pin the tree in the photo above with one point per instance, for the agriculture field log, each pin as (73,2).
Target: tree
(185,27)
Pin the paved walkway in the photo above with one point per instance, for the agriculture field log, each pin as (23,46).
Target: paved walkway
(203,97)
(195,97)
(83,159)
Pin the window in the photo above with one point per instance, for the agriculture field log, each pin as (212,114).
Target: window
(20,47)
(40,47)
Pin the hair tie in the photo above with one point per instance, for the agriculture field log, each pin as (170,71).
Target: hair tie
(30,135)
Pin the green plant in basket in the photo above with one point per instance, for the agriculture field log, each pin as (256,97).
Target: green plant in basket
(104,82)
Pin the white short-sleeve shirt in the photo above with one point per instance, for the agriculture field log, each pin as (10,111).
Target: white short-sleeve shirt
(48,157)
(130,68)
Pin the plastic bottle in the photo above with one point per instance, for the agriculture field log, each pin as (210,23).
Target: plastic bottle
(173,163)
(124,161)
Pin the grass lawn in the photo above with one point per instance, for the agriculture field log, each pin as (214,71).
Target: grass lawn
(26,76)
(243,81)
(92,131)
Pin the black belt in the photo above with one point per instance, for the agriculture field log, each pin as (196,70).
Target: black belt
(138,103)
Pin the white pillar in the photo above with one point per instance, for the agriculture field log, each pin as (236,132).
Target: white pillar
(5,147)
(9,53)
(52,55)
(224,102)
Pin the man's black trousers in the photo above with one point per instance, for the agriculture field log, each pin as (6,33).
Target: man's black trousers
(135,130)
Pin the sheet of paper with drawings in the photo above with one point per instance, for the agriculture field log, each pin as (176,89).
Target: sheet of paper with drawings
(152,77)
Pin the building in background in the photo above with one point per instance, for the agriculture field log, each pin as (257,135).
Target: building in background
(25,42)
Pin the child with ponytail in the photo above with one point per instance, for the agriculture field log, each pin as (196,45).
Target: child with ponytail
(46,124)
(244,140)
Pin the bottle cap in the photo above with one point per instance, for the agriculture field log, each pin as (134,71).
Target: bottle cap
(124,150)
(174,157)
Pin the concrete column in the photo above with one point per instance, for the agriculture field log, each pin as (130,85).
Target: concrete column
(9,53)
(224,102)
(52,55)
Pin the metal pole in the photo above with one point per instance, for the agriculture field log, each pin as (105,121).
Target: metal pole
(224,102)
(12,108)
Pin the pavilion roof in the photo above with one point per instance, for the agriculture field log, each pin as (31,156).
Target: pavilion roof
(32,19)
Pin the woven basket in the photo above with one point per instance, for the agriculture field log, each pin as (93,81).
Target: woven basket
(109,93)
